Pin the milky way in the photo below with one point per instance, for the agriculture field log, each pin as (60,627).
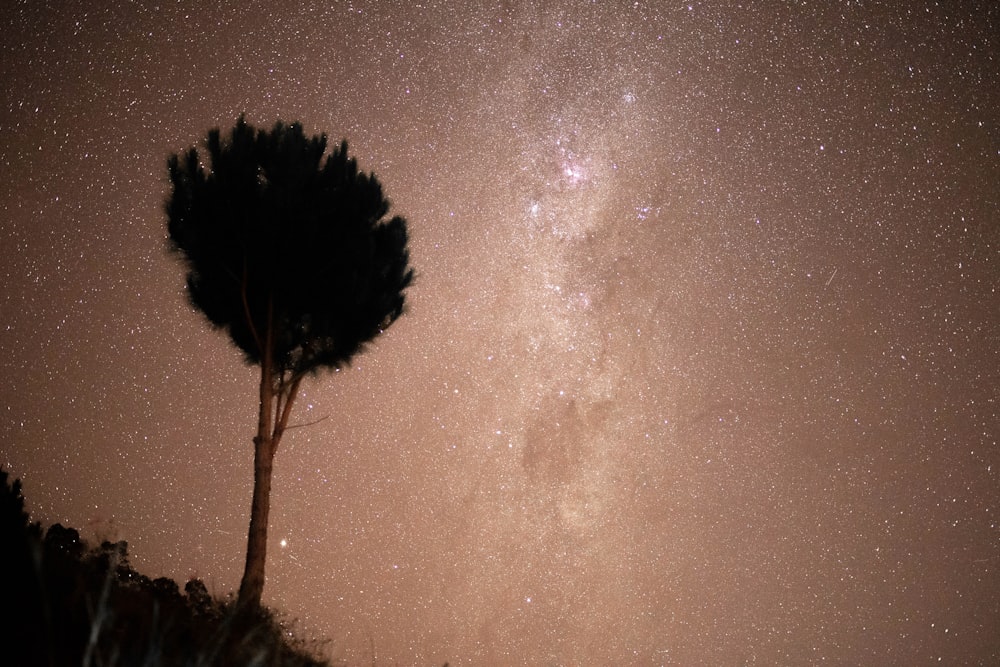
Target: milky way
(700,366)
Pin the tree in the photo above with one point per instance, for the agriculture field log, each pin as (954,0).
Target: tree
(292,254)
(15,523)
(19,558)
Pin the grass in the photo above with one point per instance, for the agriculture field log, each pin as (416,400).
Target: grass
(71,603)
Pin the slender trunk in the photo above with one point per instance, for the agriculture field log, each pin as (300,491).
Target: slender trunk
(252,585)
(271,425)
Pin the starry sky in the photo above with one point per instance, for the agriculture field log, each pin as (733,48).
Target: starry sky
(702,361)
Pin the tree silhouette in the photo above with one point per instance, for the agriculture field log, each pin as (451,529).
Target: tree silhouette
(291,253)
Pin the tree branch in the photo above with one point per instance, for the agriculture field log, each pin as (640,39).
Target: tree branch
(285,409)
(315,421)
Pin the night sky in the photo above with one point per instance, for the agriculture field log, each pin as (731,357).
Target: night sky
(702,361)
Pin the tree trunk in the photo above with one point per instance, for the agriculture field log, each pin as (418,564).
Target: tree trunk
(277,395)
(252,585)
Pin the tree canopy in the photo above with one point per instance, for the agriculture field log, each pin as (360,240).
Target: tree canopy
(288,249)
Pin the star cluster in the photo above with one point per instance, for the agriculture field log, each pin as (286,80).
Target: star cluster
(701,362)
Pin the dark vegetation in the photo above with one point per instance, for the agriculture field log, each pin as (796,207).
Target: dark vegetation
(70,603)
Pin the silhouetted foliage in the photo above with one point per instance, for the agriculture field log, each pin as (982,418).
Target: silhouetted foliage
(14,520)
(291,252)
(20,551)
(63,542)
(70,604)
